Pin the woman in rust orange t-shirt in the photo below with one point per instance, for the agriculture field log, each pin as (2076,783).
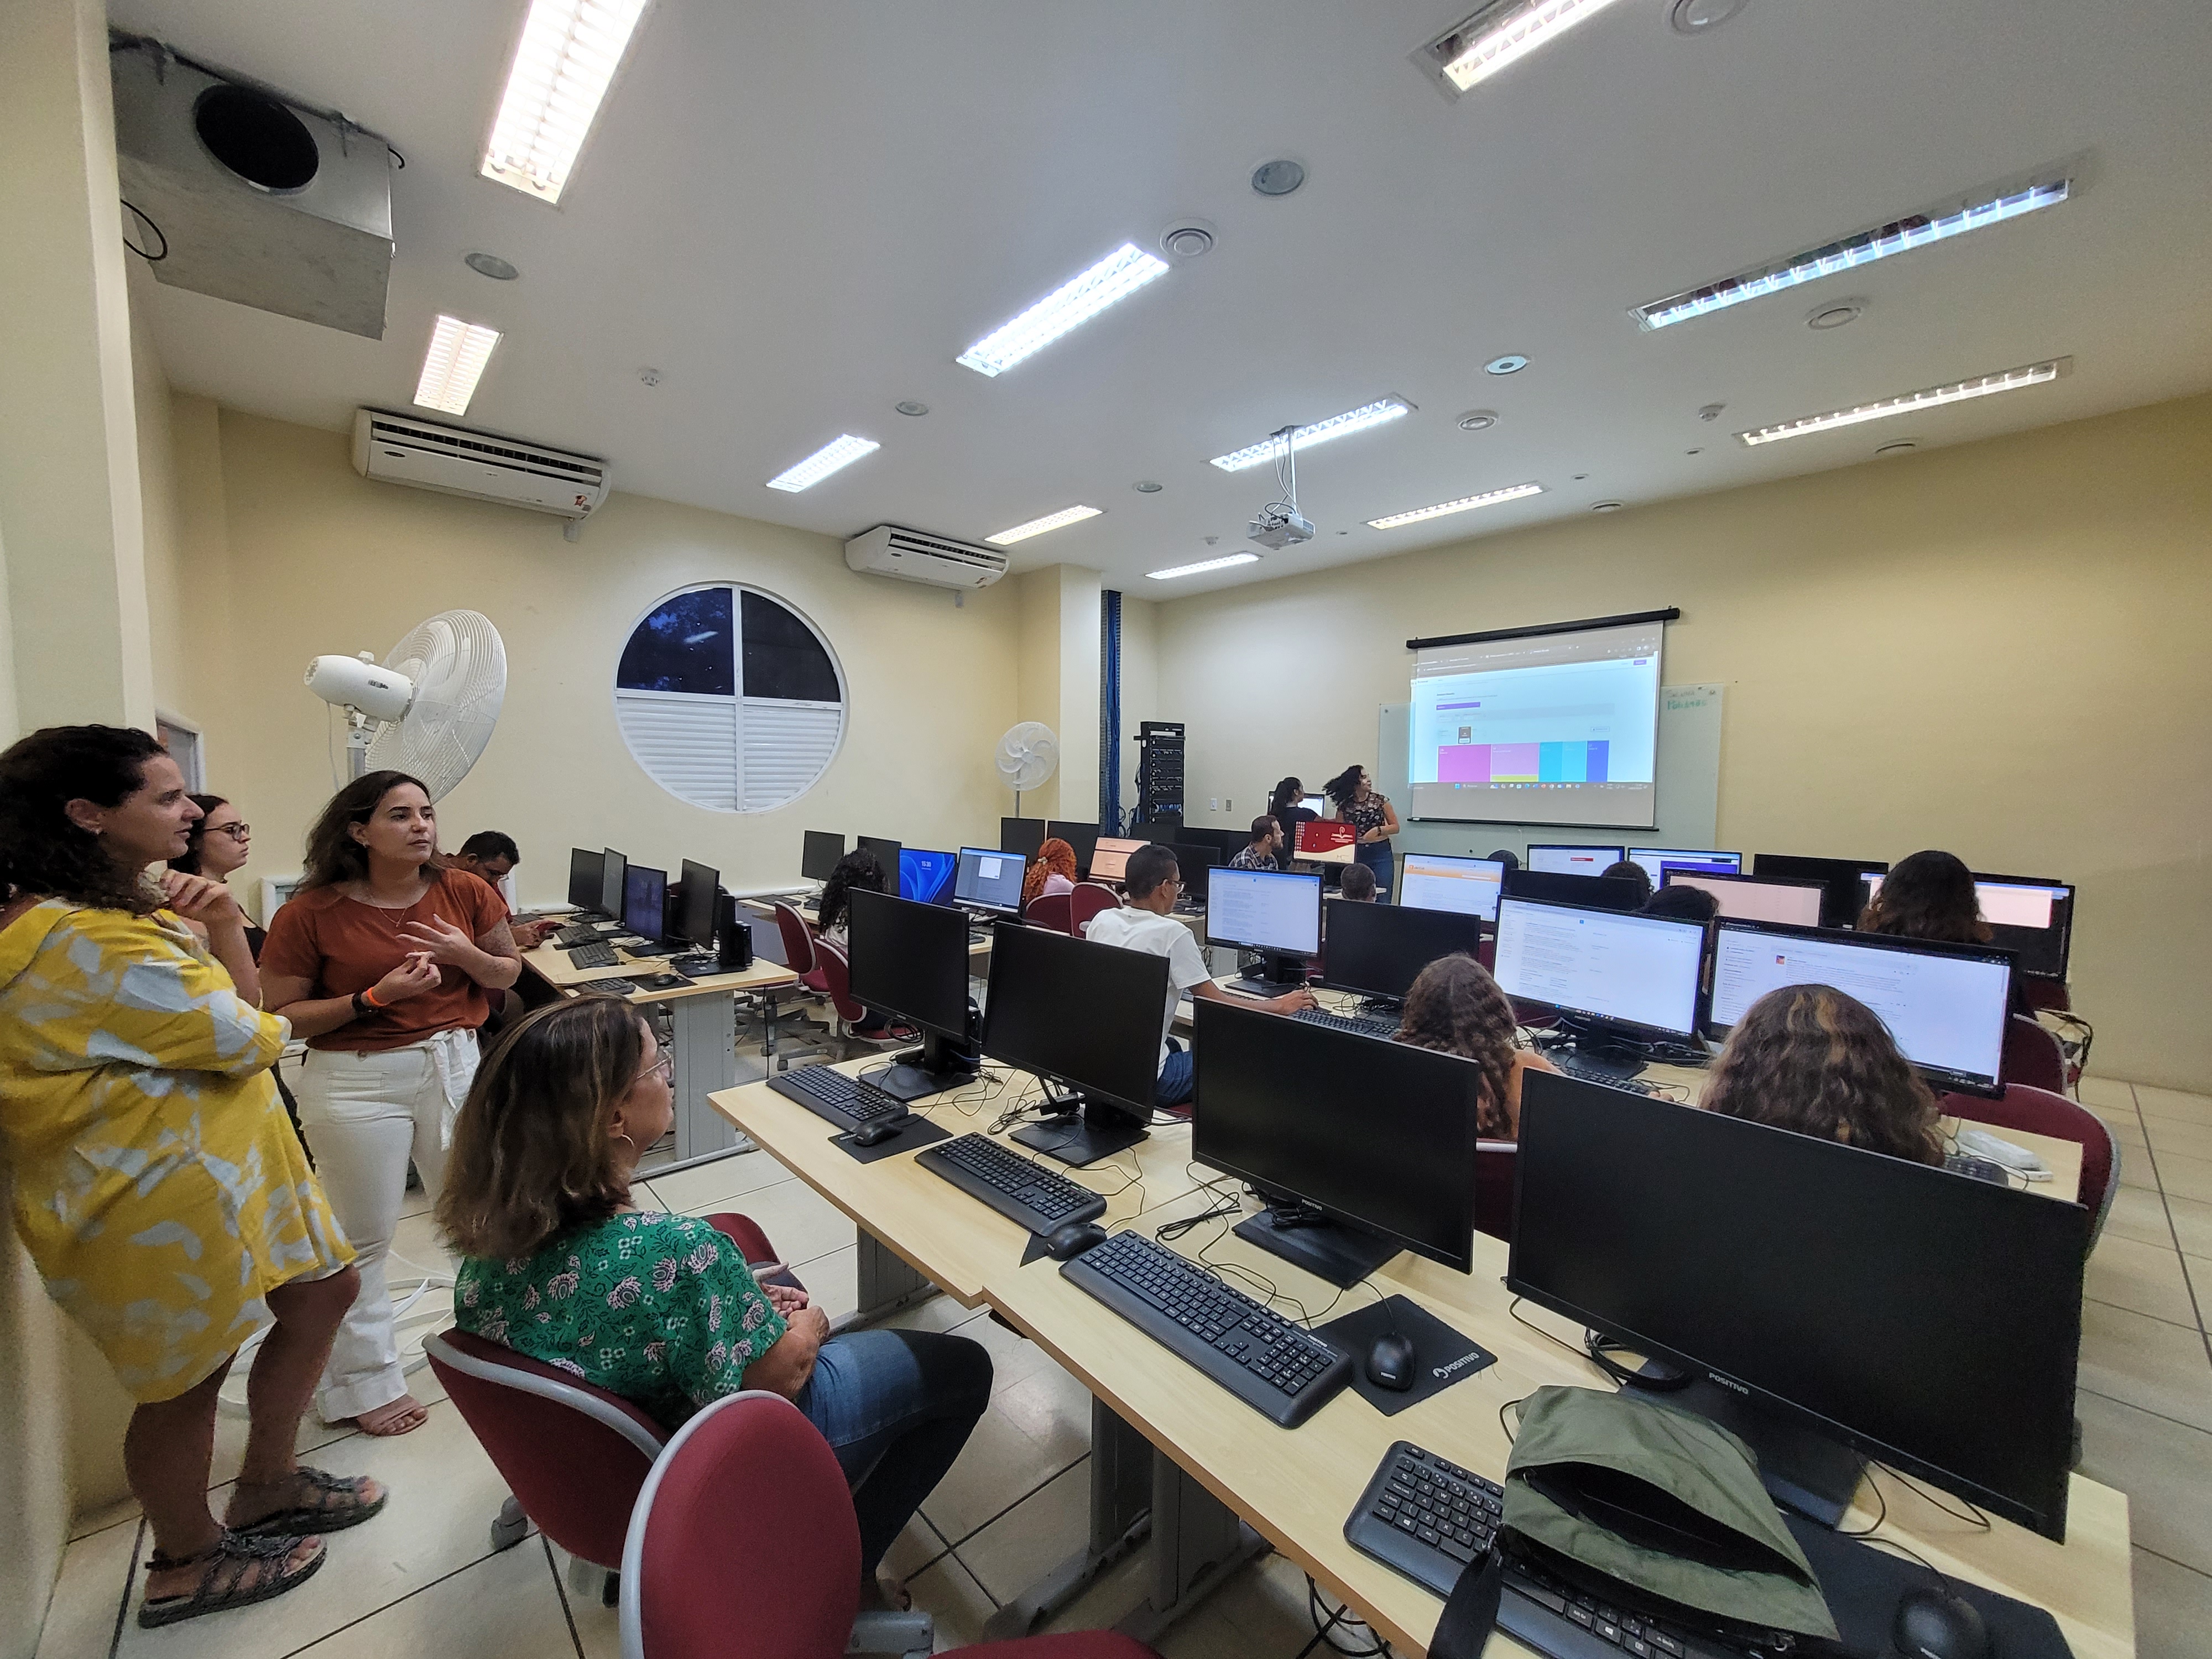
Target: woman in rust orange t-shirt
(386,961)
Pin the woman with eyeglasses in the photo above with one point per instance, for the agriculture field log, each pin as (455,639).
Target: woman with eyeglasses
(217,848)
(559,1263)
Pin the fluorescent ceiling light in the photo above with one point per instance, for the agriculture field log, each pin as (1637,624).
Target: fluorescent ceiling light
(1502,33)
(1465,503)
(1935,397)
(842,453)
(453,364)
(563,65)
(1074,302)
(1885,241)
(1336,426)
(1021,533)
(1205,564)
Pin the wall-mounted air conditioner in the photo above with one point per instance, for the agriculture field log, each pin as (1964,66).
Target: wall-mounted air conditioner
(404,450)
(913,555)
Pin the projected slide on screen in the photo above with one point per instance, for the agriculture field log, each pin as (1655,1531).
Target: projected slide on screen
(1538,728)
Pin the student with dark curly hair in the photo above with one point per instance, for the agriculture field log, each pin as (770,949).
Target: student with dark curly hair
(1811,1059)
(1928,895)
(1457,1008)
(1630,870)
(833,911)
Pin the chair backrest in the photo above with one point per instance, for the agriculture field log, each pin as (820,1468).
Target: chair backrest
(575,1455)
(836,971)
(1053,910)
(1493,1187)
(2032,1056)
(798,939)
(2044,993)
(1485,952)
(1090,898)
(2044,1112)
(716,1568)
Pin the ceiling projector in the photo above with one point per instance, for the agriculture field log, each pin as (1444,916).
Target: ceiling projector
(1279,525)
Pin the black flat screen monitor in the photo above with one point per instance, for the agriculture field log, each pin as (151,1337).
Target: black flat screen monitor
(1945,1004)
(2029,915)
(925,876)
(1436,881)
(1277,912)
(1109,857)
(1634,974)
(1843,878)
(1195,862)
(614,890)
(1590,892)
(910,958)
(587,879)
(1163,832)
(645,902)
(1557,859)
(1379,950)
(1658,860)
(1089,1016)
(1082,837)
(1022,836)
(887,854)
(1271,1109)
(820,855)
(989,879)
(1756,898)
(695,917)
(1876,1302)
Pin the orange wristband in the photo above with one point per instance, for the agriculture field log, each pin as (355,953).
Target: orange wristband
(369,997)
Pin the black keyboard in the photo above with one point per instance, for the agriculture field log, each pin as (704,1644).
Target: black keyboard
(1430,1519)
(706,962)
(1021,1190)
(1576,1066)
(613,988)
(1282,1371)
(1379,1025)
(592,956)
(844,1101)
(585,934)
(1978,1168)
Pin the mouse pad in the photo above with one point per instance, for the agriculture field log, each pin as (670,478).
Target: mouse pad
(918,1133)
(1442,1356)
(1862,1584)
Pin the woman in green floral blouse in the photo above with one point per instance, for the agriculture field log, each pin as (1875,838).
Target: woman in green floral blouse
(660,1309)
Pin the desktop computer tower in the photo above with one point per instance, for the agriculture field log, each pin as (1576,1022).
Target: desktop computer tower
(733,936)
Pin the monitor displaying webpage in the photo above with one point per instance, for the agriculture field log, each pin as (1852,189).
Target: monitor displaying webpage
(1264,910)
(989,879)
(1572,860)
(1110,859)
(1947,1012)
(1641,970)
(1432,881)
(1757,901)
(1658,860)
(2006,903)
(1538,728)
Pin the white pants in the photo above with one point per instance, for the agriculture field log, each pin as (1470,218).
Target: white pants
(365,1115)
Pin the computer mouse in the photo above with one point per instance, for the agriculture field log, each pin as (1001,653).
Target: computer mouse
(1931,1623)
(878,1130)
(1390,1362)
(1073,1240)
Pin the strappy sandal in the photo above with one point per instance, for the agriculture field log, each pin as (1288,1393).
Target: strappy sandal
(242,1570)
(323,1502)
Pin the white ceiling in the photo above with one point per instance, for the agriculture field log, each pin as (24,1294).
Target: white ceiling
(802,213)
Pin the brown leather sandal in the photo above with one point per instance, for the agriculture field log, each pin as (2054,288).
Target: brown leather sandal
(240,1571)
(321,1503)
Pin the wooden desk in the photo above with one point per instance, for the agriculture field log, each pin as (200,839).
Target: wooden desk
(925,1231)
(1296,1487)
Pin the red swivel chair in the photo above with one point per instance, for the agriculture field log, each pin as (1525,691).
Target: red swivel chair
(2032,1056)
(1053,910)
(797,946)
(2044,1112)
(1090,899)
(2041,992)
(1493,1187)
(712,1571)
(836,967)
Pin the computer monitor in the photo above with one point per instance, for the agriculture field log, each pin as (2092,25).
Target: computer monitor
(1195,862)
(1350,1188)
(1316,804)
(989,880)
(1656,861)
(1616,980)
(820,854)
(909,957)
(1087,1016)
(1843,879)
(1276,913)
(1082,837)
(1814,1291)
(1022,836)
(1945,1004)
(1109,858)
(1161,832)
(887,853)
(1592,892)
(1754,898)
(614,891)
(1433,881)
(1378,950)
(1560,861)
(703,891)
(645,902)
(587,879)
(925,877)
(2029,915)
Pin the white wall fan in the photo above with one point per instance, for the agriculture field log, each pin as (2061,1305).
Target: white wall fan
(1027,756)
(428,708)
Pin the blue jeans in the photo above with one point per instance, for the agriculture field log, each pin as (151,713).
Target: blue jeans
(1375,856)
(896,1406)
(1178,1077)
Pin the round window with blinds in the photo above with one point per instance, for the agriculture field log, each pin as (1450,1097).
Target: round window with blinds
(729,698)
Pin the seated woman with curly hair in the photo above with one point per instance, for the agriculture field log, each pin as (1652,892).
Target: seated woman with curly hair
(1454,1007)
(1811,1059)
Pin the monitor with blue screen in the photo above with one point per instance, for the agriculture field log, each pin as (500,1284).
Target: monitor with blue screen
(924,877)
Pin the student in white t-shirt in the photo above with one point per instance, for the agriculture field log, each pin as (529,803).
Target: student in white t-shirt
(1153,880)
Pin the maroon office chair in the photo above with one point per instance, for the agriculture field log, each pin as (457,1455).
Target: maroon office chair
(797,946)
(2041,992)
(1493,1187)
(2032,1056)
(715,1568)
(1053,910)
(2045,1112)
(1090,899)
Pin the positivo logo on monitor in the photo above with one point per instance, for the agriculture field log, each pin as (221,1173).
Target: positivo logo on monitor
(1729,1383)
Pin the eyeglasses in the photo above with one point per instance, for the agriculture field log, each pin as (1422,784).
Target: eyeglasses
(666,1065)
(235,831)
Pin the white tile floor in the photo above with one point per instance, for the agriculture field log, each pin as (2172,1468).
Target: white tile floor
(422,1579)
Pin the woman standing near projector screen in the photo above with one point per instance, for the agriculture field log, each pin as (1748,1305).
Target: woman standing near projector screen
(1355,802)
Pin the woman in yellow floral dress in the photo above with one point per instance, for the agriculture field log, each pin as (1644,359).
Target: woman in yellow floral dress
(157,1184)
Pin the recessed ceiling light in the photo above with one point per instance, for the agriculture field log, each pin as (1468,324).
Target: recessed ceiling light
(1898,448)
(1982,386)
(1221,563)
(1147,487)
(1605,506)
(453,364)
(910,407)
(1835,315)
(1336,426)
(650,375)
(1512,363)
(842,453)
(1278,178)
(1478,419)
(1882,242)
(564,63)
(1501,33)
(1073,303)
(1701,16)
(1710,411)
(1186,239)
(491,266)
(1021,533)
(1464,504)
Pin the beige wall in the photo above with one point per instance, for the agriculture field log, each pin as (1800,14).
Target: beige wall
(1141,686)
(1998,648)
